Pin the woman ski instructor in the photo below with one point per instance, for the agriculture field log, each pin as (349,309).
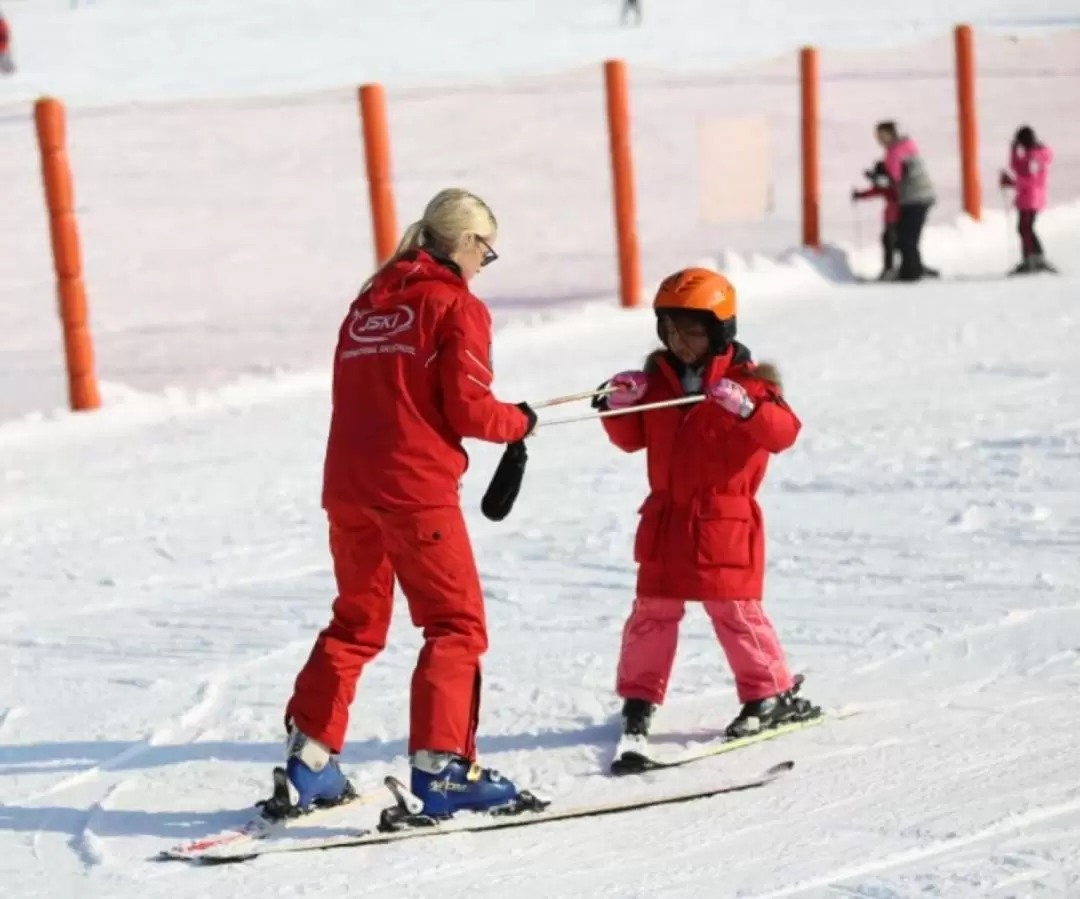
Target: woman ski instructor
(411,378)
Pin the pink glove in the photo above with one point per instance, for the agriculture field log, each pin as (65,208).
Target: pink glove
(732,397)
(632,387)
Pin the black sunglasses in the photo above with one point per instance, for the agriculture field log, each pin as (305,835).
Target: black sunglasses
(489,254)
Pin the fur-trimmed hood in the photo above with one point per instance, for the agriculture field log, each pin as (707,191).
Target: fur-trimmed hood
(770,372)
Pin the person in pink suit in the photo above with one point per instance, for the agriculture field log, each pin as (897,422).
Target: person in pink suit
(1029,162)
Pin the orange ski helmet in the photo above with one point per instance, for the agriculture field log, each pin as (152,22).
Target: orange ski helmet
(701,295)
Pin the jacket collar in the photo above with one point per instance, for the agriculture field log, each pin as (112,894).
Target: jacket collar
(716,367)
(413,266)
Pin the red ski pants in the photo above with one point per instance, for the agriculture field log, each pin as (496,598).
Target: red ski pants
(429,553)
(747,636)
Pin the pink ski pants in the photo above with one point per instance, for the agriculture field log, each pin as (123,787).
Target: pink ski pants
(747,636)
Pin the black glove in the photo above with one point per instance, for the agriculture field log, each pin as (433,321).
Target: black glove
(529,414)
(505,484)
(598,401)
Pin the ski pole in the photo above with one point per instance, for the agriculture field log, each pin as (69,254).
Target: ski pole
(611,413)
(574,397)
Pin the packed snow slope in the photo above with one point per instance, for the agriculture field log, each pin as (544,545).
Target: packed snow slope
(109,51)
(165,570)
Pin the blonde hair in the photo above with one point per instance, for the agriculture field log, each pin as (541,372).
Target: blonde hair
(449,218)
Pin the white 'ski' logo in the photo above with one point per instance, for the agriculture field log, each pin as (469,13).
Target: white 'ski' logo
(379,325)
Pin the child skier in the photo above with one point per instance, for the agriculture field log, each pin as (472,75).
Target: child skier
(1030,161)
(701,535)
(880,186)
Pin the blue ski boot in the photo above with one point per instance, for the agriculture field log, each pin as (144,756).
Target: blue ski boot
(310,779)
(442,784)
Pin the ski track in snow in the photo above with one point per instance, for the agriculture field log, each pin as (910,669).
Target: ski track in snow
(85,843)
(943,847)
(1011,619)
(171,736)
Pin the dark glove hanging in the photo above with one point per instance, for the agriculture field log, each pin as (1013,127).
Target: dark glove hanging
(505,484)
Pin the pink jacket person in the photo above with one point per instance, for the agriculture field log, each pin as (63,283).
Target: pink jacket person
(1030,170)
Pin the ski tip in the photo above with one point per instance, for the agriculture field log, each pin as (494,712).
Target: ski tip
(780,768)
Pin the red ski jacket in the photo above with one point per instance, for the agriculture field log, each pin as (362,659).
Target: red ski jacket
(701,534)
(412,377)
(892,201)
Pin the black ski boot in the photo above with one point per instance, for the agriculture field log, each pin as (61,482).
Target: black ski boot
(1028,266)
(632,751)
(636,718)
(764,714)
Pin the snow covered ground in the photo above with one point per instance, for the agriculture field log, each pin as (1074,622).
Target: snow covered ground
(163,566)
(165,570)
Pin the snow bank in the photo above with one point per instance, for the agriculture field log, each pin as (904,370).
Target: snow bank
(962,247)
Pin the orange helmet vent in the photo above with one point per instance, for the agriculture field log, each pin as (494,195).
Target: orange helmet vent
(700,289)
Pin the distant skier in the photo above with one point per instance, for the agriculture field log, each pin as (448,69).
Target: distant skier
(412,376)
(631,6)
(881,186)
(701,537)
(7,63)
(1030,161)
(907,174)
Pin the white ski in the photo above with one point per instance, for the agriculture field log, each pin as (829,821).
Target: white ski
(465,823)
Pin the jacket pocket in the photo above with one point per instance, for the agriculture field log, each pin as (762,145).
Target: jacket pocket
(648,531)
(725,531)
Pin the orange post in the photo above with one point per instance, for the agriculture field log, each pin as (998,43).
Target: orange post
(968,124)
(622,176)
(377,156)
(67,258)
(811,196)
